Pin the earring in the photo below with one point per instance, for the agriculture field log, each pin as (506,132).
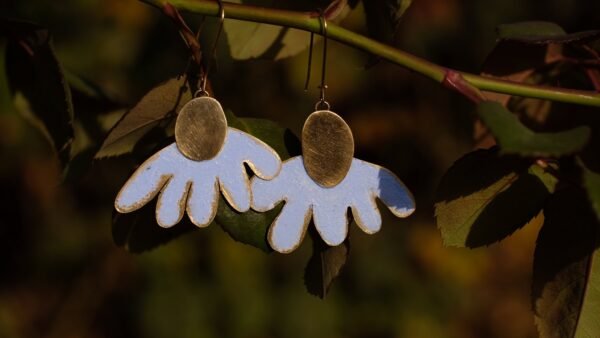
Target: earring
(326,180)
(206,157)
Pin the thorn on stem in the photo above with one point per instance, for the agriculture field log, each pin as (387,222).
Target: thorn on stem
(594,76)
(455,81)
(184,30)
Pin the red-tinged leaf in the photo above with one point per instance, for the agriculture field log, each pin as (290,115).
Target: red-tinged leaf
(186,33)
(335,9)
(517,61)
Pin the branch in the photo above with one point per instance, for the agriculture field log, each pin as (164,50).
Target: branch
(309,21)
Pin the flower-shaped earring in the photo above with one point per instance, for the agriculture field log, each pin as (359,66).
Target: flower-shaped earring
(206,156)
(325,181)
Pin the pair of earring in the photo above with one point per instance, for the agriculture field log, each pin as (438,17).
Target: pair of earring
(208,157)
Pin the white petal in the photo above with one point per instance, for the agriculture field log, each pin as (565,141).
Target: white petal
(394,193)
(203,200)
(331,222)
(172,201)
(235,187)
(288,229)
(147,181)
(365,212)
(267,194)
(363,183)
(261,158)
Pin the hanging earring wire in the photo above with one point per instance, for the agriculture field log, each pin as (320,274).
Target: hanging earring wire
(322,104)
(309,67)
(202,91)
(323,86)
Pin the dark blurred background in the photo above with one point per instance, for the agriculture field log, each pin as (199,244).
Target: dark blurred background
(62,276)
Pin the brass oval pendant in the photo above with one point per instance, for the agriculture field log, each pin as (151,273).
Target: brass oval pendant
(327,147)
(201,128)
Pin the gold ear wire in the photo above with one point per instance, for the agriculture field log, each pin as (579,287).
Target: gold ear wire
(322,103)
(202,91)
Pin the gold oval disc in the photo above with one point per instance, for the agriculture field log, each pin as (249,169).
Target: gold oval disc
(327,147)
(201,128)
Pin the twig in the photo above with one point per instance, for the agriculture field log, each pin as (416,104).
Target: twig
(309,21)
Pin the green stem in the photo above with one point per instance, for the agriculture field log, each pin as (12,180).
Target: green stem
(309,21)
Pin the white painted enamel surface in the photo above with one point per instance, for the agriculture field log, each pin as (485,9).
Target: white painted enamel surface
(328,206)
(190,185)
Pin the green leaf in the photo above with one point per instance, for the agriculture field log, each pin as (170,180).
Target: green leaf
(250,227)
(548,180)
(566,269)
(156,109)
(37,74)
(281,139)
(530,30)
(324,266)
(484,198)
(591,182)
(248,40)
(541,32)
(514,138)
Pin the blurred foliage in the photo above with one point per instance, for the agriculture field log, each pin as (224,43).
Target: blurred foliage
(70,78)
(504,197)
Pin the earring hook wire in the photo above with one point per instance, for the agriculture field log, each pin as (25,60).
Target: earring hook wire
(322,103)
